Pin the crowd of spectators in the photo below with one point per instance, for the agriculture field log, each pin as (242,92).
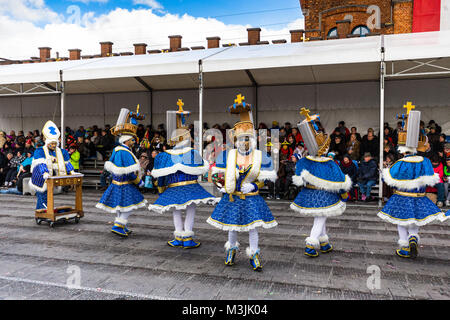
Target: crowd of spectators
(358,156)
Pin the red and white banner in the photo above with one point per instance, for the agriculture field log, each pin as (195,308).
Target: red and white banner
(431,15)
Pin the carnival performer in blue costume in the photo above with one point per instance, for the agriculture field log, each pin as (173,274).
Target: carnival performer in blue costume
(324,193)
(177,172)
(241,207)
(48,160)
(408,207)
(122,195)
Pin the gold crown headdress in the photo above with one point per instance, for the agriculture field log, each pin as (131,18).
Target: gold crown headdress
(315,141)
(127,122)
(245,125)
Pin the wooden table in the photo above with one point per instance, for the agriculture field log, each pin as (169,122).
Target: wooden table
(52,214)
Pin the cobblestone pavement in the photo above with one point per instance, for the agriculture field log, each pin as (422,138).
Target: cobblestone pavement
(39,262)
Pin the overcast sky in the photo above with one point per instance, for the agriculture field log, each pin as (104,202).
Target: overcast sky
(26,25)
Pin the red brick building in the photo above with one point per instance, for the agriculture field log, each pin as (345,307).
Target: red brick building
(333,19)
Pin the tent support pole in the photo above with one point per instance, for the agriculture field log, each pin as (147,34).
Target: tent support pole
(63,98)
(200,106)
(381,137)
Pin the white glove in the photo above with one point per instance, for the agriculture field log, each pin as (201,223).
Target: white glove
(141,184)
(46,175)
(247,188)
(223,190)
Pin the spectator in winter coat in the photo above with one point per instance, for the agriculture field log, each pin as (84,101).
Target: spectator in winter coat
(353,147)
(349,168)
(370,144)
(438,168)
(367,176)
(338,147)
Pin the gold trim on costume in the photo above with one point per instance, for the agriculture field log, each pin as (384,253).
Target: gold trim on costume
(242,195)
(409,194)
(117,183)
(182,183)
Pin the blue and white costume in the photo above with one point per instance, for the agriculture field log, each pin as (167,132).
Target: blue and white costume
(324,193)
(237,211)
(177,172)
(122,195)
(408,207)
(48,163)
(245,169)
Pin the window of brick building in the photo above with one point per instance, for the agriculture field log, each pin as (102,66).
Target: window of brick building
(332,32)
(362,31)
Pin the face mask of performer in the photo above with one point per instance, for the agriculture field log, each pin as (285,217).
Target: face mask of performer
(245,144)
(52,146)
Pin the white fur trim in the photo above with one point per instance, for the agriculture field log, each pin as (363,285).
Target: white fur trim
(410,184)
(231,173)
(161,209)
(442,217)
(250,253)
(412,159)
(121,209)
(243,228)
(409,222)
(323,239)
(313,242)
(187,233)
(124,138)
(37,162)
(111,167)
(403,243)
(267,175)
(404,149)
(298,181)
(178,234)
(122,221)
(333,211)
(215,170)
(228,246)
(37,188)
(195,171)
(324,184)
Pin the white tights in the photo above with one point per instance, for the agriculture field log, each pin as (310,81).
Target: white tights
(404,232)
(319,228)
(252,238)
(188,221)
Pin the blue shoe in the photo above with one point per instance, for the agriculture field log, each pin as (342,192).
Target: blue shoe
(310,251)
(413,246)
(231,253)
(403,252)
(128,231)
(325,245)
(255,261)
(189,243)
(119,229)
(176,243)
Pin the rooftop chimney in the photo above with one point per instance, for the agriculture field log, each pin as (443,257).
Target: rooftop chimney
(253,35)
(213,42)
(74,54)
(140,48)
(106,48)
(297,35)
(175,43)
(44,53)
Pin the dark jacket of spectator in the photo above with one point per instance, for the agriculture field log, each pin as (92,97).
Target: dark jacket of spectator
(367,171)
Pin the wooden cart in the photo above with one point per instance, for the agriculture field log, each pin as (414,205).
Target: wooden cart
(52,214)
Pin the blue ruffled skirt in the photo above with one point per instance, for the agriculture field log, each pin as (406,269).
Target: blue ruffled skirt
(318,203)
(121,198)
(404,210)
(180,197)
(242,214)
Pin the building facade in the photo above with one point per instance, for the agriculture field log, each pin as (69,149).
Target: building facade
(337,19)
